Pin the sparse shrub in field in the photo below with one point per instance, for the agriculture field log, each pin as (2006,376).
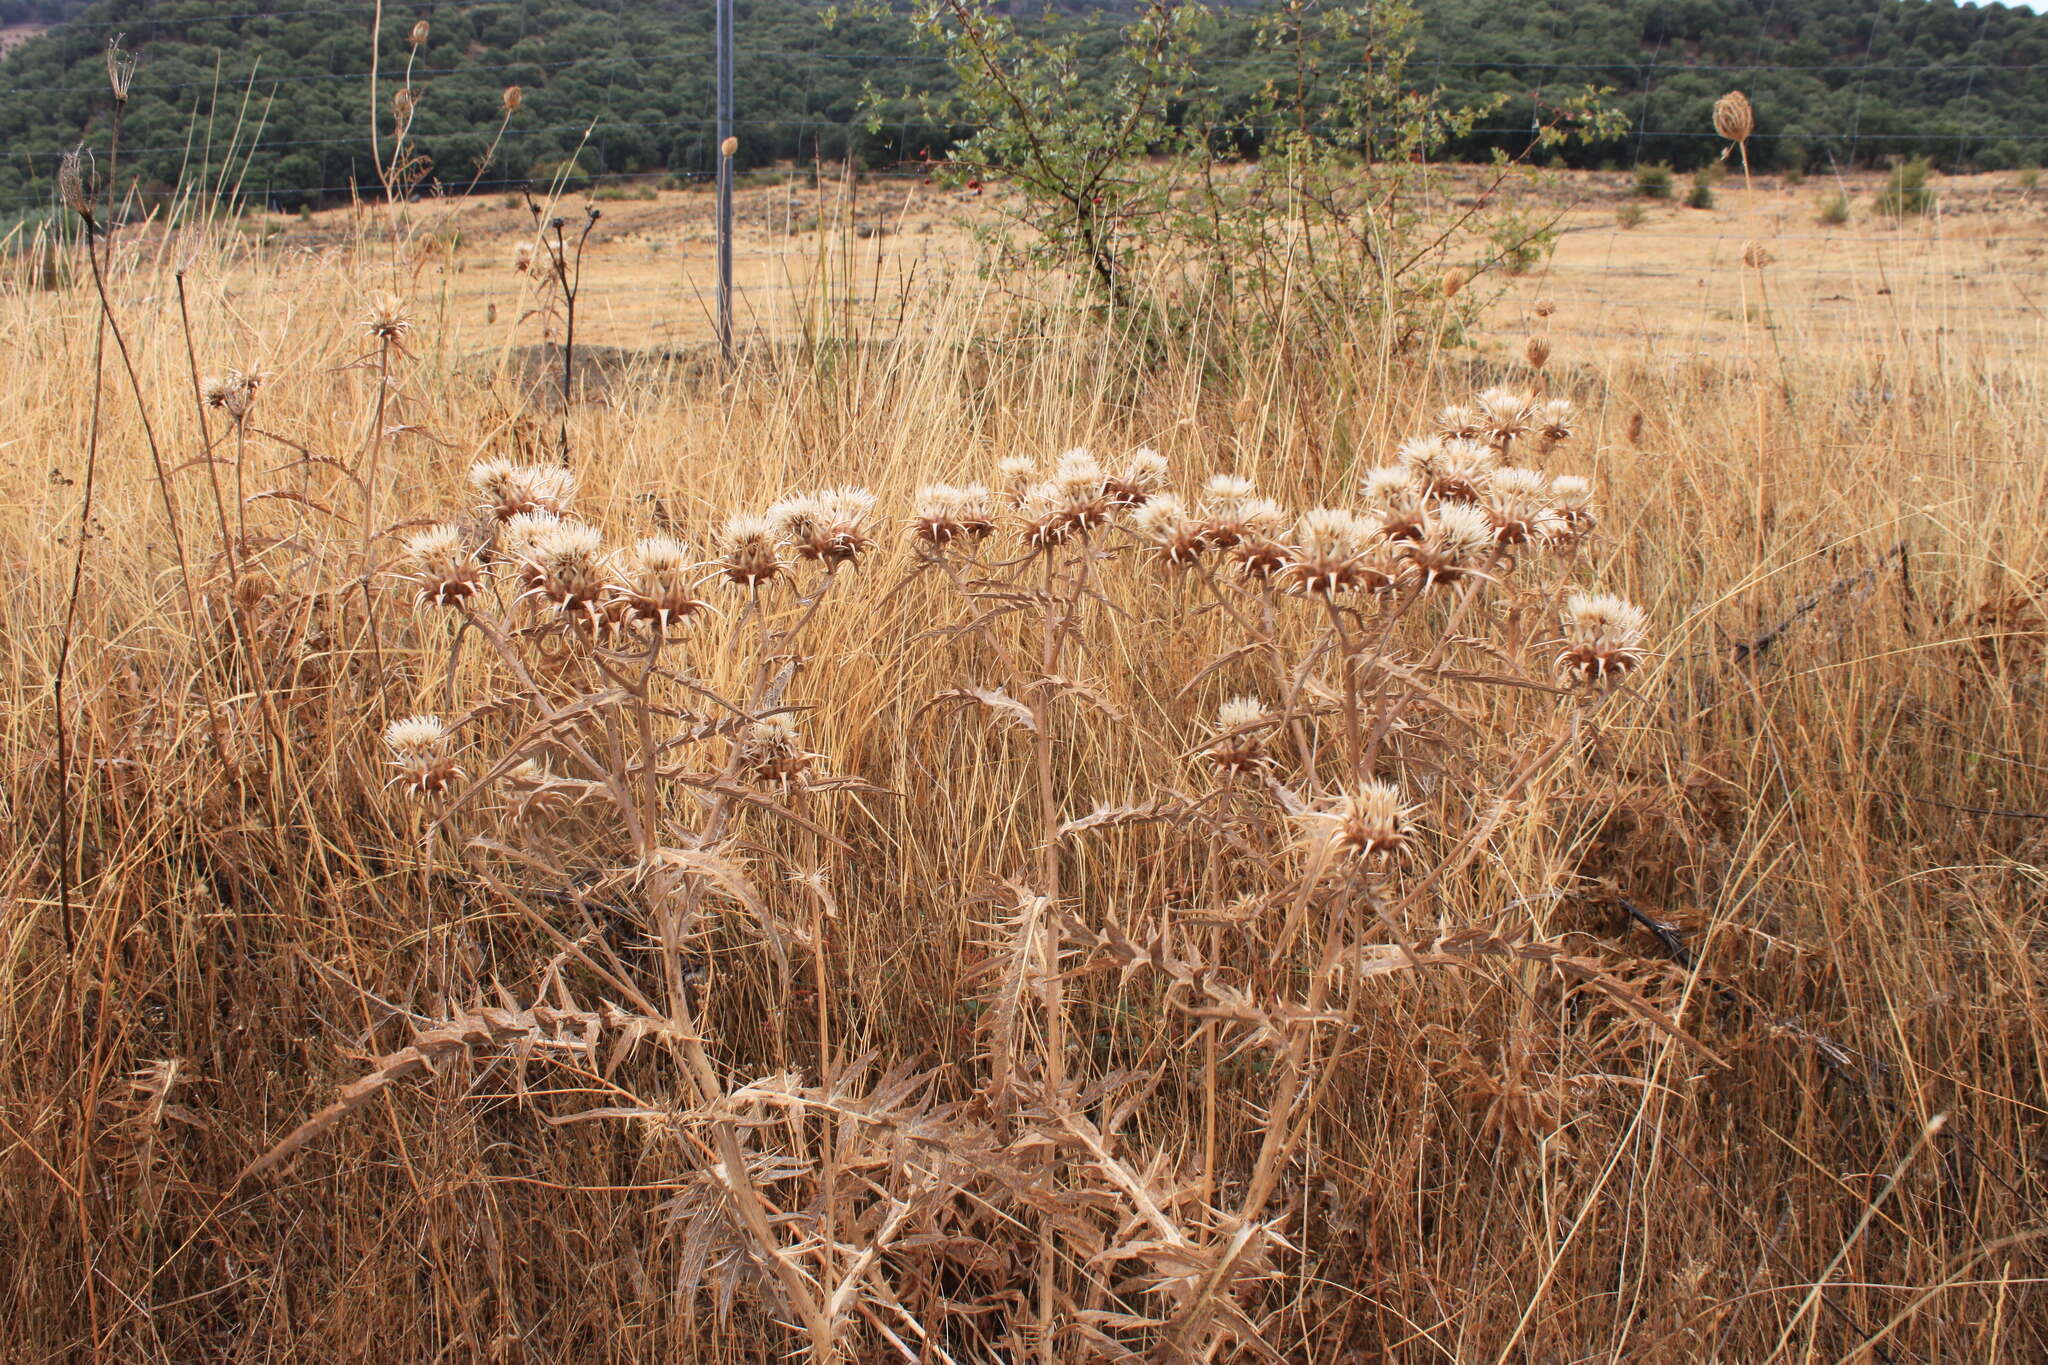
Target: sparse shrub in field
(1701,195)
(1653,181)
(1834,210)
(1906,192)
(1154,176)
(1631,215)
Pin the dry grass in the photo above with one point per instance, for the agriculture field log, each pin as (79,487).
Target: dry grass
(1700,1018)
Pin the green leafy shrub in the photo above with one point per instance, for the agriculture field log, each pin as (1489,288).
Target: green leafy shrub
(1906,192)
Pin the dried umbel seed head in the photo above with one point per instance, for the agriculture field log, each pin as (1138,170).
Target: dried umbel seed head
(444,564)
(1519,502)
(74,172)
(1754,256)
(419,33)
(1164,522)
(770,752)
(1456,544)
(1142,476)
(749,550)
(1464,472)
(1733,117)
(120,68)
(419,747)
(386,318)
(509,489)
(568,570)
(512,99)
(1571,497)
(1552,420)
(1545,307)
(1329,552)
(1505,415)
(1603,639)
(1367,823)
(729,148)
(403,102)
(657,586)
(1460,422)
(1537,352)
(1240,746)
(1454,280)
(830,528)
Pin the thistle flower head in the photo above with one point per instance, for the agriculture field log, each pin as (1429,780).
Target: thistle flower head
(1553,420)
(942,513)
(1519,502)
(444,564)
(567,565)
(1165,523)
(1240,744)
(1367,822)
(386,318)
(1461,421)
(1330,551)
(1456,541)
(1464,471)
(419,748)
(1394,494)
(771,752)
(830,527)
(518,534)
(234,392)
(1257,551)
(657,583)
(1504,415)
(1014,475)
(509,489)
(1078,472)
(522,258)
(1142,476)
(1571,497)
(1603,638)
(750,549)
(1224,500)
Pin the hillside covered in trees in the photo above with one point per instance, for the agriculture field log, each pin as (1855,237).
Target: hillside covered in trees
(273,94)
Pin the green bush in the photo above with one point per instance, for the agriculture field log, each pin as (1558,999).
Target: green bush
(1631,216)
(1906,192)
(1834,210)
(1701,196)
(1653,181)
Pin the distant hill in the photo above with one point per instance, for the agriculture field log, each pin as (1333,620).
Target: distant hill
(1847,80)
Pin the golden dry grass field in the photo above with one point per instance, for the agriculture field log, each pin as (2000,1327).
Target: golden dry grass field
(1554,880)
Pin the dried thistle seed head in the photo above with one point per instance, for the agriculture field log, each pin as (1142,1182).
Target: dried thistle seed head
(1240,746)
(1519,502)
(658,587)
(233,393)
(1504,415)
(74,176)
(1257,552)
(1537,352)
(771,752)
(1456,542)
(1734,119)
(838,532)
(1553,420)
(1394,495)
(1014,475)
(522,258)
(1165,523)
(1328,552)
(509,489)
(1142,476)
(386,318)
(519,534)
(1224,500)
(1603,638)
(568,570)
(512,99)
(444,564)
(1460,421)
(750,549)
(418,37)
(942,513)
(1078,473)
(1545,307)
(1044,519)
(1463,471)
(419,747)
(1367,822)
(1571,497)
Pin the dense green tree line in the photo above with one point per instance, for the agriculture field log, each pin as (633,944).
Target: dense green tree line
(618,88)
